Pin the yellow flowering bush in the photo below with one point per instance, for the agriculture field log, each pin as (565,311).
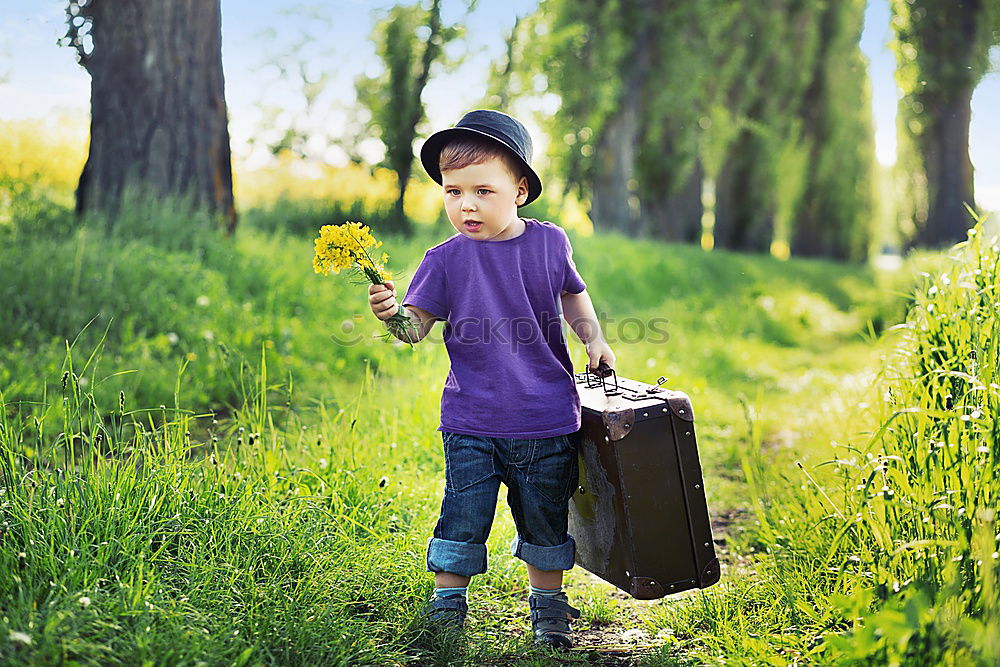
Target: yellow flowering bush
(345,247)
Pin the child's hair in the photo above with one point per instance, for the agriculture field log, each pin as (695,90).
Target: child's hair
(461,153)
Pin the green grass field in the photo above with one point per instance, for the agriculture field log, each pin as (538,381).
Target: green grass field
(209,456)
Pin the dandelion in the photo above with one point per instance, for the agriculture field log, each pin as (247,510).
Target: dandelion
(84,602)
(346,247)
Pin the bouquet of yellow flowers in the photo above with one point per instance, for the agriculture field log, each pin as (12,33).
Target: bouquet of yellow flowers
(346,246)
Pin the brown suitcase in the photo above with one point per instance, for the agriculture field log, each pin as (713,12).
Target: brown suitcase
(639,515)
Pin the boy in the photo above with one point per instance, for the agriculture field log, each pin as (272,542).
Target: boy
(510,405)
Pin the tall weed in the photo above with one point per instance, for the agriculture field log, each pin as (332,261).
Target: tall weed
(167,536)
(924,510)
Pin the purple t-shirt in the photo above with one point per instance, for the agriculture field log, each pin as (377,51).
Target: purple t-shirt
(511,375)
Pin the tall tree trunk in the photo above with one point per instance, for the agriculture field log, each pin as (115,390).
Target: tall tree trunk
(158,111)
(833,217)
(612,202)
(945,146)
(677,216)
(402,223)
(744,219)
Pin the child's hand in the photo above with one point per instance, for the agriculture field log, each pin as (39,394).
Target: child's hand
(598,351)
(382,299)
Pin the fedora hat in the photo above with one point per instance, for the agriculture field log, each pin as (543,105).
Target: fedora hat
(499,127)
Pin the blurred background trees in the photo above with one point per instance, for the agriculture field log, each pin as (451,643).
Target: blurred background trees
(409,41)
(942,52)
(666,106)
(744,126)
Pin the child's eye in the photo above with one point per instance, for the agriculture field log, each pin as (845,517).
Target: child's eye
(483,191)
(453,192)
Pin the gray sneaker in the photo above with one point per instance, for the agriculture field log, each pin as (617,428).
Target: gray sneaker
(448,613)
(550,619)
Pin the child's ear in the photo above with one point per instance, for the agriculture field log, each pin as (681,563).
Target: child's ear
(522,191)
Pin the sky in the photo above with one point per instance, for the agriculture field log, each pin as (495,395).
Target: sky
(38,78)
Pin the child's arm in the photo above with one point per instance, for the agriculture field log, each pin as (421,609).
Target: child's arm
(382,299)
(578,310)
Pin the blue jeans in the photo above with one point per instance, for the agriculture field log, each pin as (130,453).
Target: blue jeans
(540,474)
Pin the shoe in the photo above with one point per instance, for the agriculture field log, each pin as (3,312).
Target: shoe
(550,619)
(448,613)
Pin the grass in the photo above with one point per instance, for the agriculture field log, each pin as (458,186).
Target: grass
(883,551)
(263,494)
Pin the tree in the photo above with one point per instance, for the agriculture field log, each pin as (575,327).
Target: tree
(574,49)
(832,217)
(666,105)
(158,112)
(759,183)
(409,41)
(673,60)
(942,52)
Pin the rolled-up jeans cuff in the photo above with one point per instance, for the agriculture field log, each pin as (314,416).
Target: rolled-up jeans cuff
(462,558)
(559,557)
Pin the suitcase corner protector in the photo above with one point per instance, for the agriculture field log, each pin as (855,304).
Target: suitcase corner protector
(710,574)
(680,406)
(646,588)
(618,422)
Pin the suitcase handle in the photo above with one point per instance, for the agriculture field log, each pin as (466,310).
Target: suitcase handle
(602,371)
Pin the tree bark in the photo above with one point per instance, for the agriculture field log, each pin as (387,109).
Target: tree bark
(945,147)
(677,216)
(612,202)
(158,110)
(744,220)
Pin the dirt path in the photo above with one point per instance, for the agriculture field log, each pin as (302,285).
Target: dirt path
(626,640)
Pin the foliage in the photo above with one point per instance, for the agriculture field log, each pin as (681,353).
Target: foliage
(581,66)
(884,552)
(171,537)
(942,52)
(751,96)
(924,510)
(410,40)
(833,216)
(160,306)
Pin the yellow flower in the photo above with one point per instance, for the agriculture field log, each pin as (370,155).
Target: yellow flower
(346,246)
(339,247)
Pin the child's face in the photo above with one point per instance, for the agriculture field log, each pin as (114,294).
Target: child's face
(486,194)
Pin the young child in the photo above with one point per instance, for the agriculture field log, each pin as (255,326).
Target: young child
(510,405)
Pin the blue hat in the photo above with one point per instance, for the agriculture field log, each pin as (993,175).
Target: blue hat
(499,127)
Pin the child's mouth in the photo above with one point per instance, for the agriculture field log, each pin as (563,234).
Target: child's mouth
(473,226)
